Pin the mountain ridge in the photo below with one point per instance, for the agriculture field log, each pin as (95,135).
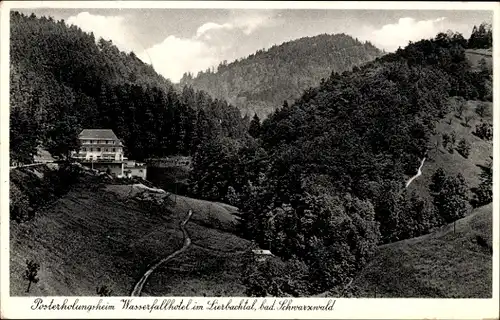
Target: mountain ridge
(262,81)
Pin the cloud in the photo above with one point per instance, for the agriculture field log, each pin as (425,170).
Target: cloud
(112,28)
(392,36)
(253,20)
(212,43)
(212,26)
(175,56)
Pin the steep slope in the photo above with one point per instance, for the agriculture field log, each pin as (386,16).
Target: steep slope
(62,80)
(475,56)
(453,162)
(36,44)
(454,262)
(262,81)
(97,236)
(454,124)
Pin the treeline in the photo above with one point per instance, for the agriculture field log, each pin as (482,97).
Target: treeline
(323,182)
(62,82)
(481,37)
(263,80)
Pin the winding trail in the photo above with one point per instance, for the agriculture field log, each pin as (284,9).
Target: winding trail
(419,173)
(31,165)
(136,292)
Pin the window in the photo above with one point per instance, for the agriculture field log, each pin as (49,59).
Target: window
(114,149)
(84,149)
(91,149)
(98,149)
(106,149)
(91,141)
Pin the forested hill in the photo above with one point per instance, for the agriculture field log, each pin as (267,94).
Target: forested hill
(324,182)
(64,80)
(42,44)
(262,81)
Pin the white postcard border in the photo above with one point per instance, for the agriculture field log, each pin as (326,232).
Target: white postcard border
(21,307)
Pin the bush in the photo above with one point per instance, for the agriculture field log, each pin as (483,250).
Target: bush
(463,148)
(482,109)
(31,273)
(484,131)
(28,192)
(273,277)
(104,291)
(19,204)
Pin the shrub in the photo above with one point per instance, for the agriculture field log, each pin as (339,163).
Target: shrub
(19,204)
(275,278)
(482,109)
(31,273)
(464,148)
(484,131)
(104,291)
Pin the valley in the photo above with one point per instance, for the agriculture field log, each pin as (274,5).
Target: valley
(322,166)
(122,238)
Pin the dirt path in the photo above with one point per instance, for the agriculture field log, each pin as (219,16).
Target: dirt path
(419,173)
(136,292)
(31,165)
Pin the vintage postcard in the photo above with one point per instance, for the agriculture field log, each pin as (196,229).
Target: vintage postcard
(306,160)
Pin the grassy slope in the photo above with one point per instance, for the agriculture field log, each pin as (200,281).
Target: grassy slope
(90,238)
(443,264)
(454,163)
(474,55)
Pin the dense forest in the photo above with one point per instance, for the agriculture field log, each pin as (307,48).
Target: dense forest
(323,182)
(261,81)
(481,37)
(320,182)
(63,81)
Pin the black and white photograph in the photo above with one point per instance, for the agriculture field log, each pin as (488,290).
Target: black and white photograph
(233,152)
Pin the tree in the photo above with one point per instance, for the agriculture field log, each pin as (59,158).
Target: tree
(460,107)
(63,137)
(450,196)
(481,37)
(202,131)
(438,179)
(18,204)
(104,291)
(254,129)
(482,109)
(276,278)
(31,273)
(484,193)
(342,238)
(451,144)
(213,169)
(468,118)
(484,131)
(446,140)
(463,148)
(24,136)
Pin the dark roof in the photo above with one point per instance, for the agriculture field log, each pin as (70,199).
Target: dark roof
(105,134)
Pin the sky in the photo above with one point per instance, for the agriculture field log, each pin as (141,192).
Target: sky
(175,41)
